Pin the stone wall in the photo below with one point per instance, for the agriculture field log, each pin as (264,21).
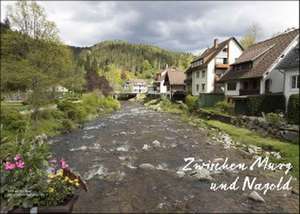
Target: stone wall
(257,124)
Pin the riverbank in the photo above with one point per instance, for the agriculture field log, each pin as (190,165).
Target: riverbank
(65,116)
(288,152)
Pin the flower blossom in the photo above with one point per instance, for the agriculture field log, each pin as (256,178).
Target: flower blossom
(20,164)
(9,166)
(18,157)
(64,164)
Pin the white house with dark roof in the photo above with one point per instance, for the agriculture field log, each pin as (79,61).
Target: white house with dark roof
(205,70)
(255,71)
(289,66)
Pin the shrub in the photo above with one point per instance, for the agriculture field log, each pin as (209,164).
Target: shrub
(255,105)
(191,102)
(225,107)
(73,111)
(293,109)
(275,119)
(12,121)
(68,125)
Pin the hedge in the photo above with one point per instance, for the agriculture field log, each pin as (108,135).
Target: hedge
(255,105)
(293,109)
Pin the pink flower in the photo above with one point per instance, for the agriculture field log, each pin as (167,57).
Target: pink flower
(9,166)
(18,157)
(20,164)
(63,164)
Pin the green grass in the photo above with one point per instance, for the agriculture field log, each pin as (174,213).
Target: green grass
(15,105)
(289,151)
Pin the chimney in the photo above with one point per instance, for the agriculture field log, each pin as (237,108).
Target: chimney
(167,66)
(215,43)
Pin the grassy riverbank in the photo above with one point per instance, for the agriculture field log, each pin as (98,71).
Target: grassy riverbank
(288,151)
(66,116)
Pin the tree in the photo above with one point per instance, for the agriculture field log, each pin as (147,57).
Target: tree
(30,19)
(251,36)
(33,57)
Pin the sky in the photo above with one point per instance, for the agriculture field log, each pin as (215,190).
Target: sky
(174,25)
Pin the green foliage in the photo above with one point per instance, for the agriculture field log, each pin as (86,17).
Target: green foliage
(29,178)
(141,60)
(191,102)
(12,123)
(274,118)
(255,105)
(293,109)
(225,107)
(289,151)
(73,111)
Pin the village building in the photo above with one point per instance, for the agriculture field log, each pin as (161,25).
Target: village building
(289,66)
(135,86)
(255,71)
(175,83)
(205,70)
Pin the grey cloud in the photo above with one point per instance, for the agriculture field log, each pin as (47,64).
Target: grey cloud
(182,26)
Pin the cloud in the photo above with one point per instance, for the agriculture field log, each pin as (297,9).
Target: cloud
(182,26)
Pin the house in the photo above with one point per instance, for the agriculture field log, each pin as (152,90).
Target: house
(175,83)
(159,81)
(289,66)
(137,86)
(255,72)
(205,70)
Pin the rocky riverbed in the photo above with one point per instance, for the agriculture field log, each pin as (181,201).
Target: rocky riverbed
(133,161)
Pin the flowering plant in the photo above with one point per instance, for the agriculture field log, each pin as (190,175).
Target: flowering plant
(31,177)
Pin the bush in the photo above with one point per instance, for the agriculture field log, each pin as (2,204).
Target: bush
(68,125)
(293,109)
(255,105)
(275,119)
(12,121)
(225,107)
(191,102)
(73,111)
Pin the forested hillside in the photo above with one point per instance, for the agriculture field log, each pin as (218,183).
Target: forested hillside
(139,59)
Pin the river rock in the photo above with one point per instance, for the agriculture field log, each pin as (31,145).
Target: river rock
(180,173)
(146,147)
(256,197)
(218,160)
(146,166)
(156,143)
(202,174)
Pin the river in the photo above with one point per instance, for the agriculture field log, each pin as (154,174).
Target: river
(130,159)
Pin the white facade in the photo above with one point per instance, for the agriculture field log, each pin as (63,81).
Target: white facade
(278,79)
(162,86)
(136,87)
(206,83)
(291,83)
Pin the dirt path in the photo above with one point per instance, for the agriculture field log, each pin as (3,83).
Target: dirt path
(108,152)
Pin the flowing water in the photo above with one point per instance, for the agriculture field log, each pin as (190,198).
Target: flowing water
(130,161)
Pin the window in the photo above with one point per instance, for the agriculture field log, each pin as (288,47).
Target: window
(203,87)
(197,87)
(197,74)
(202,74)
(224,50)
(225,61)
(295,81)
(231,86)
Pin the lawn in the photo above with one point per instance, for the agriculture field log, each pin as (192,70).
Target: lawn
(15,105)
(289,151)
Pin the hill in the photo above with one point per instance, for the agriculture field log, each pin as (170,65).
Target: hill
(136,58)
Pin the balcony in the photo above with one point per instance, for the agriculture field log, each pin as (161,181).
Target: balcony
(249,92)
(222,66)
